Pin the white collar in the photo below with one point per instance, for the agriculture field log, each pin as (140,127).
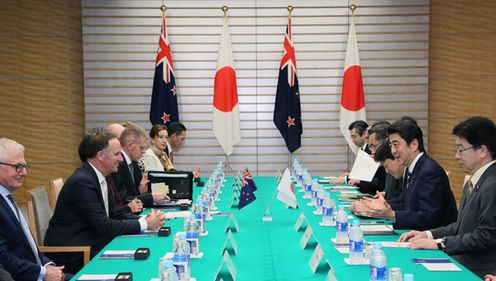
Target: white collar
(99,175)
(126,158)
(478,174)
(412,165)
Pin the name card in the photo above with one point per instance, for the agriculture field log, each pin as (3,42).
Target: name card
(306,236)
(232,224)
(316,257)
(299,222)
(230,243)
(226,260)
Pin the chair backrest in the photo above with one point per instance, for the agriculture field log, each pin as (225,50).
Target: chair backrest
(54,190)
(39,213)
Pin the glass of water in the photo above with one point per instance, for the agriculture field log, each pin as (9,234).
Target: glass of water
(395,274)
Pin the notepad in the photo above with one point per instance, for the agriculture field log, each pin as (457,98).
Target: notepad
(181,214)
(97,277)
(118,254)
(377,229)
(437,264)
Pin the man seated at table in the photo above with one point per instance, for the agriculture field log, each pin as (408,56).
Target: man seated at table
(395,183)
(428,201)
(377,133)
(471,240)
(129,181)
(83,213)
(177,134)
(19,255)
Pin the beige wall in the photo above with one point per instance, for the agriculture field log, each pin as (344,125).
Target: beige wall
(41,79)
(41,85)
(462,73)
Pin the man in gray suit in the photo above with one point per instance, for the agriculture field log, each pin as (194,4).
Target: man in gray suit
(471,240)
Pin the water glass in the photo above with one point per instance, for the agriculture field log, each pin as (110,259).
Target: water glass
(395,274)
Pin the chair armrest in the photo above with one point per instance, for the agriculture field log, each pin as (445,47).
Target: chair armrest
(68,249)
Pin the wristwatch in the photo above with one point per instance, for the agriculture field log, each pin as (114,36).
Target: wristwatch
(441,244)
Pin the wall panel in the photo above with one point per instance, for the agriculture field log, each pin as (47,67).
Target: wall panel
(120,43)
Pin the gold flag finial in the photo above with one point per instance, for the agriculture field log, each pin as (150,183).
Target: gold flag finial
(353,7)
(290,9)
(163,8)
(225,9)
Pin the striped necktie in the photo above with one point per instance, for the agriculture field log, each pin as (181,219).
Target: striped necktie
(25,229)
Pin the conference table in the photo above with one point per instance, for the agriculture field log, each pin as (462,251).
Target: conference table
(266,250)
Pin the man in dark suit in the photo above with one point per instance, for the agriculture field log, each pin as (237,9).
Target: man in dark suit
(471,240)
(84,213)
(19,254)
(128,179)
(428,201)
(376,134)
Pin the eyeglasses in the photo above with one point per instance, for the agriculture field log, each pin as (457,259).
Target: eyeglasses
(459,150)
(18,167)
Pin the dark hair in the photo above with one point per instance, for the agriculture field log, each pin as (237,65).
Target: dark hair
(478,131)
(94,141)
(383,152)
(409,118)
(156,129)
(360,126)
(380,129)
(409,132)
(132,132)
(176,128)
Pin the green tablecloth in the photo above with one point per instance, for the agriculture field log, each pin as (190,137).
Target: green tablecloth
(267,250)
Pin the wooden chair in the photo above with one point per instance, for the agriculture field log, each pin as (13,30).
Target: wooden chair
(54,190)
(39,214)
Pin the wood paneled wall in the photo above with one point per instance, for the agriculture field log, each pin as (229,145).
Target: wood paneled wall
(462,72)
(41,85)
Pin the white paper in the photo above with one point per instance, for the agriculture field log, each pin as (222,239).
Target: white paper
(343,250)
(181,214)
(362,262)
(97,277)
(375,227)
(449,266)
(389,244)
(364,167)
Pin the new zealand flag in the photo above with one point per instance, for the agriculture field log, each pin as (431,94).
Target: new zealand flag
(163,107)
(247,196)
(287,110)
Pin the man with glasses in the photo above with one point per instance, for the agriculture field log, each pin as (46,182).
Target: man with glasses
(471,240)
(19,254)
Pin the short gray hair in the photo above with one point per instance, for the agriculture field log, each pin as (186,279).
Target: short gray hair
(7,146)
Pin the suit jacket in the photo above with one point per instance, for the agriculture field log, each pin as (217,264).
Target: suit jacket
(16,255)
(393,188)
(472,238)
(127,188)
(428,200)
(4,275)
(80,218)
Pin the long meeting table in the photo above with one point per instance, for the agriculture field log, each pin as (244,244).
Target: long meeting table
(266,250)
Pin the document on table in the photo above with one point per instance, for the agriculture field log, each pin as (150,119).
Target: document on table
(391,244)
(377,229)
(437,264)
(118,254)
(364,167)
(97,277)
(180,214)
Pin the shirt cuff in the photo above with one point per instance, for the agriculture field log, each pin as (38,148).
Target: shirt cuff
(42,273)
(143,224)
(429,234)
